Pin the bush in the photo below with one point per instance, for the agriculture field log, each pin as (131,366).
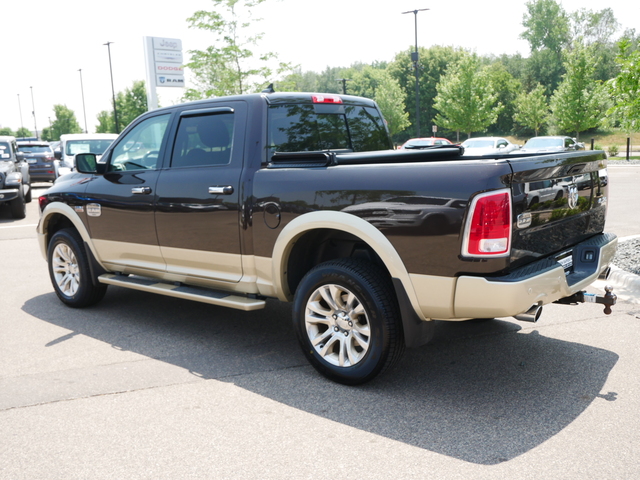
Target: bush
(613,150)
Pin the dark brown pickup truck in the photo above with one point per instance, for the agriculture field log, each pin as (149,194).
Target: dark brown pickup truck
(301,197)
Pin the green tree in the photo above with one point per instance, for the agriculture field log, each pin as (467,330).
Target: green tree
(625,88)
(596,29)
(580,102)
(7,131)
(65,122)
(532,109)
(433,64)
(23,132)
(224,67)
(547,29)
(379,85)
(131,103)
(546,26)
(106,122)
(507,89)
(466,101)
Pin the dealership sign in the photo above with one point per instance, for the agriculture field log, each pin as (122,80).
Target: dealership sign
(164,65)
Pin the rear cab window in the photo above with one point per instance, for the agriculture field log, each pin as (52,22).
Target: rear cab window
(321,127)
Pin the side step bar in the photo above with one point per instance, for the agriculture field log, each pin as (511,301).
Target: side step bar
(187,292)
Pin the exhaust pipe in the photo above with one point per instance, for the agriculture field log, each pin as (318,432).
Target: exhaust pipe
(605,274)
(531,315)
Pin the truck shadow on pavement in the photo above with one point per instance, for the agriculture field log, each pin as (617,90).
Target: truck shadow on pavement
(480,392)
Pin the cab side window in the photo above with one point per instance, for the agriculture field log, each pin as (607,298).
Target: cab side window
(139,149)
(203,140)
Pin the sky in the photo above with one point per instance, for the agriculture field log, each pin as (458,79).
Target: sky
(55,54)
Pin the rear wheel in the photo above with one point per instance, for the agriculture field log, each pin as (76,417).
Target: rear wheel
(347,321)
(69,270)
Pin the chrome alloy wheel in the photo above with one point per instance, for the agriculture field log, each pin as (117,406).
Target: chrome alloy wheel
(65,269)
(337,325)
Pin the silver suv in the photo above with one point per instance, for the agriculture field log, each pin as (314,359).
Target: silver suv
(15,183)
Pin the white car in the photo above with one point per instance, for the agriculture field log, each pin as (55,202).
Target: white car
(551,144)
(74,143)
(488,146)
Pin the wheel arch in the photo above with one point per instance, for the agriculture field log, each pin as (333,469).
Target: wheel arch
(316,237)
(57,216)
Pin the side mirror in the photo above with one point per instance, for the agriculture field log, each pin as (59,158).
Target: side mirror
(19,156)
(57,154)
(86,163)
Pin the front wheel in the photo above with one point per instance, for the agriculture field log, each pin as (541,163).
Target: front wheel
(346,317)
(69,270)
(19,206)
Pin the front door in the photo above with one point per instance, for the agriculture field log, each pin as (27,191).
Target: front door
(120,203)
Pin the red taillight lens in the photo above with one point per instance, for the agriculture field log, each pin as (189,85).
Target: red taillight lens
(326,99)
(488,230)
(43,202)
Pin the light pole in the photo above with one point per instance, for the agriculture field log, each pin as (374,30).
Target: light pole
(84,110)
(113,92)
(35,125)
(344,84)
(20,108)
(416,67)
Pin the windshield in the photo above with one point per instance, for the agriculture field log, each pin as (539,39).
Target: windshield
(5,150)
(34,148)
(544,143)
(87,146)
(478,144)
(305,128)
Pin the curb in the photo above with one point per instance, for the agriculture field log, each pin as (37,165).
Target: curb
(625,285)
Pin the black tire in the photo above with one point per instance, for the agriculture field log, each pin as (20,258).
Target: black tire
(28,196)
(69,270)
(360,335)
(18,206)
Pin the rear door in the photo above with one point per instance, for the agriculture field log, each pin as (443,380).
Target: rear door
(199,195)
(559,200)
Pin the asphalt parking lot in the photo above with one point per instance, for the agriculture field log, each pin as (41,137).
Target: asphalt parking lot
(142,387)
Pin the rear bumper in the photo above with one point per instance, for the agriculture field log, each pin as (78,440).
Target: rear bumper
(538,283)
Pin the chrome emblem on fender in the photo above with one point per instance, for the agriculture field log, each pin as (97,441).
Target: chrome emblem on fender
(572,195)
(94,209)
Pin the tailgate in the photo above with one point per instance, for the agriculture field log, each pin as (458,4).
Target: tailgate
(558,201)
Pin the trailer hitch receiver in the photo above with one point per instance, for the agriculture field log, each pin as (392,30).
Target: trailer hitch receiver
(608,299)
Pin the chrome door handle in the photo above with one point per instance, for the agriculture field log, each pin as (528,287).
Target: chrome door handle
(141,190)
(221,190)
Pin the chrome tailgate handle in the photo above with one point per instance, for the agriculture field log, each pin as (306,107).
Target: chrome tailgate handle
(221,190)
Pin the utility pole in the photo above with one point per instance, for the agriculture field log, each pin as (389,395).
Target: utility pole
(84,110)
(34,113)
(20,109)
(113,92)
(416,67)
(344,84)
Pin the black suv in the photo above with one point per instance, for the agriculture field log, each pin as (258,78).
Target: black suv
(43,167)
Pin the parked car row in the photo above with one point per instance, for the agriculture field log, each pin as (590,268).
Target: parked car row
(479,146)
(47,161)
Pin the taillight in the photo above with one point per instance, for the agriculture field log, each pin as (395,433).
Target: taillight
(488,229)
(326,98)
(43,201)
